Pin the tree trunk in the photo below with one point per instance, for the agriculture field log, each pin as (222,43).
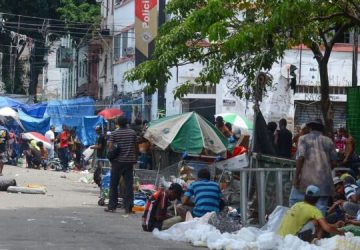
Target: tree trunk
(326,107)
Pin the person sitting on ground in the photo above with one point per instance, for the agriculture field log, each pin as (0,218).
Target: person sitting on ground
(352,193)
(44,154)
(33,156)
(305,220)
(207,194)
(156,208)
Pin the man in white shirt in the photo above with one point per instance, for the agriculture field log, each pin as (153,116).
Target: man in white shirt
(50,135)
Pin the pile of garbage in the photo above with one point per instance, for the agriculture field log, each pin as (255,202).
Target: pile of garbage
(200,233)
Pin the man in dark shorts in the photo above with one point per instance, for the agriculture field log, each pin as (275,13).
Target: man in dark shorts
(122,165)
(4,138)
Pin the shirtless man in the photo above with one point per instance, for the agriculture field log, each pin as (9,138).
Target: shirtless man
(350,157)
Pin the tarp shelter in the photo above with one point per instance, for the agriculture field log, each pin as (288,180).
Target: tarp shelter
(70,112)
(36,110)
(30,124)
(87,133)
(9,102)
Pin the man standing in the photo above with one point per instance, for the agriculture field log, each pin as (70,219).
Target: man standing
(64,147)
(350,157)
(100,148)
(315,158)
(124,139)
(283,140)
(50,135)
(4,137)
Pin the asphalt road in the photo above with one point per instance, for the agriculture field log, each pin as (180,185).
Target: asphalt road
(67,217)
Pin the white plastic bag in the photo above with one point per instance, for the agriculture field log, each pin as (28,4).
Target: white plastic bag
(274,219)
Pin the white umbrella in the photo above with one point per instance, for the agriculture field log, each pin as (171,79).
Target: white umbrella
(9,112)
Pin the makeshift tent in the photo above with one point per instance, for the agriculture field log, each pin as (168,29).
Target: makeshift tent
(36,110)
(9,102)
(69,112)
(87,133)
(29,123)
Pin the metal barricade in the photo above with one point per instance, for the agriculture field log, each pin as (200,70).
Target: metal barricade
(260,190)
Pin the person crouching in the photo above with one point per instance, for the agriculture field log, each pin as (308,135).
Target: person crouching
(305,220)
(156,208)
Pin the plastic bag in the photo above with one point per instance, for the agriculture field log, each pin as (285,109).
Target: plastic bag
(274,219)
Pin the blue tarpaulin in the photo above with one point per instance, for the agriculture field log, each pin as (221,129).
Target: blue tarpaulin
(87,133)
(128,106)
(9,102)
(69,112)
(36,110)
(32,124)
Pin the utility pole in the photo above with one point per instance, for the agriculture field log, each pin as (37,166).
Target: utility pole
(355,57)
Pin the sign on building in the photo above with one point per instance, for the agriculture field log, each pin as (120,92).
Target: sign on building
(146,27)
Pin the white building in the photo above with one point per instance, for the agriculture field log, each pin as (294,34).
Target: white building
(66,70)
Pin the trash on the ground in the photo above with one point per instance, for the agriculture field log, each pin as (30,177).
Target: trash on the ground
(200,233)
(63,176)
(29,189)
(31,219)
(6,182)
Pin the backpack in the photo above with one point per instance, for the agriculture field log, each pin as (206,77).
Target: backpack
(149,222)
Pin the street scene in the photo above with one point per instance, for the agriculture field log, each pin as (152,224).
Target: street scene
(166,124)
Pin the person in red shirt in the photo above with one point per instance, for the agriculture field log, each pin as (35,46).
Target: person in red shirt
(63,139)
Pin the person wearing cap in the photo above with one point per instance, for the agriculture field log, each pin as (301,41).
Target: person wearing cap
(305,220)
(156,208)
(315,158)
(220,125)
(125,140)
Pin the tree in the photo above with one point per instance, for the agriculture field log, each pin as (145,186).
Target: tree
(39,18)
(238,39)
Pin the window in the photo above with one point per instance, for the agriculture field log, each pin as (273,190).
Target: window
(117,2)
(123,44)
(203,90)
(117,41)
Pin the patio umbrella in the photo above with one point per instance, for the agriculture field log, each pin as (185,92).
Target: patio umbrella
(8,112)
(187,132)
(37,137)
(238,121)
(111,113)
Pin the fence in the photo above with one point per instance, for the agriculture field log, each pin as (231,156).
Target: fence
(273,177)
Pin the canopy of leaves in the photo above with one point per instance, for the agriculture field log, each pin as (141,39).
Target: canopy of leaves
(237,39)
(84,11)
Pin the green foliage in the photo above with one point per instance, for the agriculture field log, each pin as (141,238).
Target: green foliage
(85,11)
(237,39)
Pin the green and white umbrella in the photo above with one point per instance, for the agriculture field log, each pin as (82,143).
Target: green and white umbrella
(187,132)
(238,121)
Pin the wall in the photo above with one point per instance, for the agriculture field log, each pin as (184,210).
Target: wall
(279,100)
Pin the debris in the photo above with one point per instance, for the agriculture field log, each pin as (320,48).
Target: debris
(29,189)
